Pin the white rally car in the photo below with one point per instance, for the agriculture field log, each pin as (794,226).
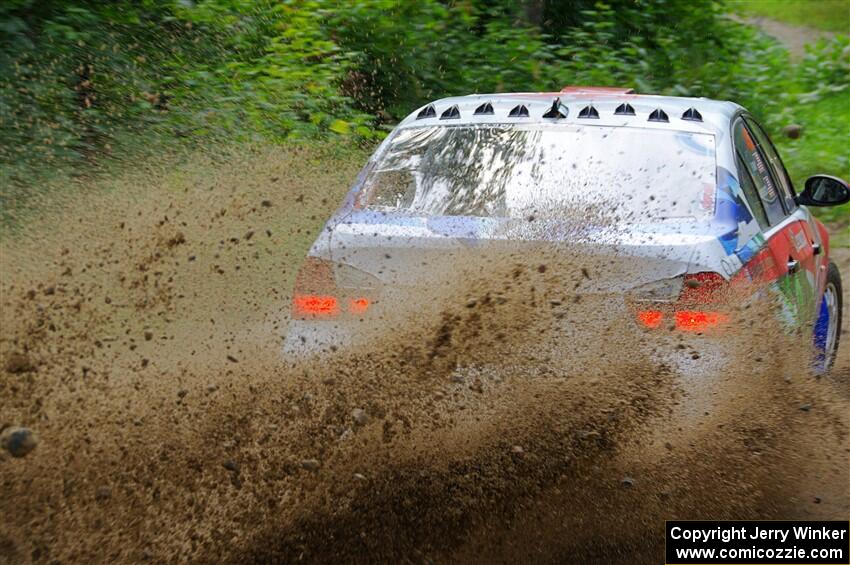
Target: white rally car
(687,197)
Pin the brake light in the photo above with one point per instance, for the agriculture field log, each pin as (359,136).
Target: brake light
(315,305)
(316,294)
(698,320)
(315,290)
(688,312)
(650,318)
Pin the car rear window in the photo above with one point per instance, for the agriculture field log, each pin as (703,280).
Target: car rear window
(507,170)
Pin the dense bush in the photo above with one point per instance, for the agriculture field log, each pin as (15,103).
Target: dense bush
(80,80)
(826,67)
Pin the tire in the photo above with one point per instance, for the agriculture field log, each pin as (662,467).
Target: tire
(828,326)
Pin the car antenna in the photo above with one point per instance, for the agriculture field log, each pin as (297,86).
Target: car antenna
(555,110)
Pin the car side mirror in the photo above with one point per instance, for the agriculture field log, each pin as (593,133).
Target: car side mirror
(824,190)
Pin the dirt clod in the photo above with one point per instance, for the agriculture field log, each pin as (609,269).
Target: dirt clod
(103,493)
(18,362)
(310,464)
(18,441)
(793,131)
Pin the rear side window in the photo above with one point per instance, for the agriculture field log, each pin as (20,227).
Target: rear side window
(751,194)
(756,165)
(774,162)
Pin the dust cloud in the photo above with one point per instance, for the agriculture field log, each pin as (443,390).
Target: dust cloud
(142,324)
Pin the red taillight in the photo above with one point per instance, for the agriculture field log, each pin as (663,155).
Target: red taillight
(698,320)
(688,313)
(316,294)
(650,318)
(315,290)
(315,305)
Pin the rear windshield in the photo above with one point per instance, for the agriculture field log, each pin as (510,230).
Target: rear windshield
(507,170)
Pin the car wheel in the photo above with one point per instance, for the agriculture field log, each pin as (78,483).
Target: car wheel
(828,326)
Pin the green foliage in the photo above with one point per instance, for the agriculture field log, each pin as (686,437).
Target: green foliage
(826,67)
(83,81)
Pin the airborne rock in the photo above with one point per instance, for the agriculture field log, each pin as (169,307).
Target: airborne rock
(18,441)
(793,131)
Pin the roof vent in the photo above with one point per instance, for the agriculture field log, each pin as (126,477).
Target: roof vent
(658,115)
(624,109)
(589,112)
(518,111)
(427,112)
(451,114)
(485,109)
(555,110)
(692,115)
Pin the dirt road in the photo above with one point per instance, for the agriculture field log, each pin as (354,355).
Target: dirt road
(141,324)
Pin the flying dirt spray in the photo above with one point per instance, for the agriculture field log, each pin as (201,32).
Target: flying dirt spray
(142,322)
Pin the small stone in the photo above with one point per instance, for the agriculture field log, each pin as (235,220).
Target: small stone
(266,203)
(668,445)
(329,381)
(310,464)
(103,493)
(517,449)
(627,482)
(694,355)
(361,418)
(793,131)
(805,407)
(232,359)
(817,500)
(360,476)
(212,388)
(231,466)
(471,303)
(18,441)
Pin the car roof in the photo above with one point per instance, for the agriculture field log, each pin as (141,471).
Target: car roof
(710,116)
